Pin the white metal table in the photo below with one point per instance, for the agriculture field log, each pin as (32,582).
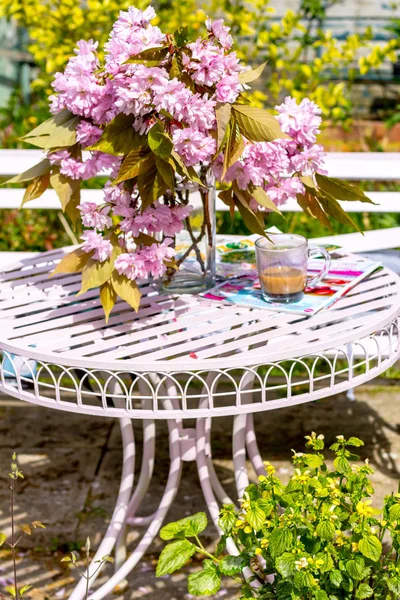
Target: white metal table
(181,357)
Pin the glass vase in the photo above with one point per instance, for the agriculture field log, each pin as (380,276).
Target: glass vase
(195,244)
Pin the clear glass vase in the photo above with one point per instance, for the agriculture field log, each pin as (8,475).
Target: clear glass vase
(195,244)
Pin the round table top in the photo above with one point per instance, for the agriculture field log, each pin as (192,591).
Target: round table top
(44,320)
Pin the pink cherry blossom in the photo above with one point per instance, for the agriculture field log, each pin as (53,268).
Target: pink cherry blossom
(220,32)
(95,241)
(87,134)
(193,145)
(94,217)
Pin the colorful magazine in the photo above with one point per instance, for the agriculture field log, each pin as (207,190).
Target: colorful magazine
(344,273)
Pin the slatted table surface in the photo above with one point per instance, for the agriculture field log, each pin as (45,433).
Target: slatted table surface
(42,319)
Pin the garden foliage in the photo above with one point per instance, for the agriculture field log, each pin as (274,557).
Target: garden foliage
(316,538)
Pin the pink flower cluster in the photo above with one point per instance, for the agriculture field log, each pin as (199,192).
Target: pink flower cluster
(185,105)
(147,260)
(158,219)
(75,168)
(277,166)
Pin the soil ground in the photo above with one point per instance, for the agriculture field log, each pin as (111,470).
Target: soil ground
(72,467)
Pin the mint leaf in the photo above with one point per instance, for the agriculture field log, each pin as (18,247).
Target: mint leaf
(370,547)
(336,577)
(174,556)
(394,512)
(364,591)
(205,582)
(255,516)
(285,564)
(279,541)
(187,527)
(355,568)
(325,530)
(231,565)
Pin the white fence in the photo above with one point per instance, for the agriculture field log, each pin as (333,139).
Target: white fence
(356,166)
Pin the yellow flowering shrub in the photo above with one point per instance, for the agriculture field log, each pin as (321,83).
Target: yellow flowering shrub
(301,59)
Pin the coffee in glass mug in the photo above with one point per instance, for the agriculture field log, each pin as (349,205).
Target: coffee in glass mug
(282,266)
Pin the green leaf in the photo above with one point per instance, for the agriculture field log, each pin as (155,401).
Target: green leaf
(11,590)
(35,189)
(321,595)
(69,192)
(328,563)
(96,273)
(66,559)
(181,36)
(394,512)
(73,262)
(3,538)
(131,164)
(108,298)
(314,461)
(310,205)
(24,589)
(341,190)
(285,564)
(355,568)
(251,74)
(227,518)
(221,545)
(325,530)
(233,149)
(174,556)
(231,565)
(332,207)
(159,142)
(150,183)
(205,582)
(126,289)
(223,115)
(250,219)
(167,172)
(257,124)
(342,465)
(371,547)
(26,529)
(119,137)
(184,171)
(394,585)
(40,169)
(187,527)
(280,540)
(353,441)
(262,198)
(255,516)
(151,57)
(336,577)
(364,591)
(56,132)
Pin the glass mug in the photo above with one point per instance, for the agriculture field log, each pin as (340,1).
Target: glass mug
(282,266)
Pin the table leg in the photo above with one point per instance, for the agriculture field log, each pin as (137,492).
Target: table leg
(157,520)
(121,507)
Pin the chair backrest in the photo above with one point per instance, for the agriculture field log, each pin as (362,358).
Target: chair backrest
(371,166)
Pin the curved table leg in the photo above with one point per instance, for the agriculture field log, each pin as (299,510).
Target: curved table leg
(121,507)
(166,501)
(146,473)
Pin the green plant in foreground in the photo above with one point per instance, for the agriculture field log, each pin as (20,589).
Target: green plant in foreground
(73,559)
(316,538)
(15,474)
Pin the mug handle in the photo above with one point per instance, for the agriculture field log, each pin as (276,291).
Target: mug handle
(313,281)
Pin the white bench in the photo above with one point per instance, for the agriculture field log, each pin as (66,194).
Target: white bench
(355,166)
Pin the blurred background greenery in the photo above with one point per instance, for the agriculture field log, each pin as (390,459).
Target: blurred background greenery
(328,50)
